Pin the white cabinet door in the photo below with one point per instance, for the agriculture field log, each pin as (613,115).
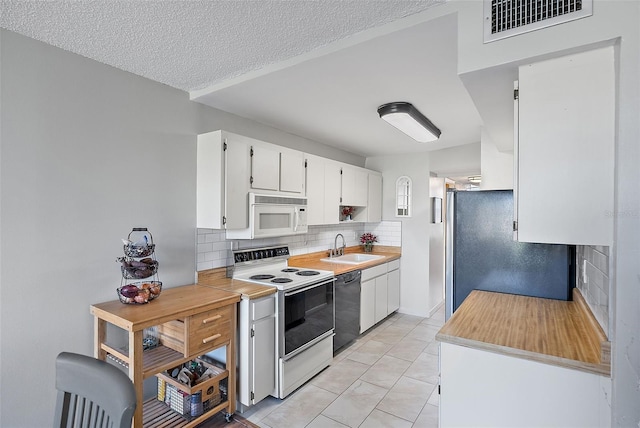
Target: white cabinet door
(210,181)
(332,192)
(291,171)
(264,358)
(222,200)
(354,186)
(367,304)
(276,168)
(565,149)
(315,185)
(237,167)
(393,291)
(323,190)
(381,298)
(265,167)
(374,200)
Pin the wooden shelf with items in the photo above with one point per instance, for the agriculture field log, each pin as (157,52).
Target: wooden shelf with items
(352,214)
(191,321)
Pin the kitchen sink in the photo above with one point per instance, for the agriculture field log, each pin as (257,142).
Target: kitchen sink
(353,258)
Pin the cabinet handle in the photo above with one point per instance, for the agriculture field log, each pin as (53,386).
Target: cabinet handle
(211,338)
(213,318)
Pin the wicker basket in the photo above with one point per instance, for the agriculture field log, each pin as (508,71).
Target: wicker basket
(155,288)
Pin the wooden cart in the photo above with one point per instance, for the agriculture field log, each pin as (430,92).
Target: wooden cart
(192,320)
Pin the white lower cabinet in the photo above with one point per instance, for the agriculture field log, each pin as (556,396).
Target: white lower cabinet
(481,388)
(367,305)
(393,286)
(381,298)
(256,350)
(379,293)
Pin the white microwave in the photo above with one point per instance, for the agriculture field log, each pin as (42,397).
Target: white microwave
(273,215)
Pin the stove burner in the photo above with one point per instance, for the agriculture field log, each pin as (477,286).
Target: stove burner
(261,277)
(289,270)
(308,273)
(281,280)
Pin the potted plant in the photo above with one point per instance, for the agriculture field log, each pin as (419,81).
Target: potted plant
(346,213)
(367,240)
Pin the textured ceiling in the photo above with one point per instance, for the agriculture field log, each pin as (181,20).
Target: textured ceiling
(194,44)
(314,68)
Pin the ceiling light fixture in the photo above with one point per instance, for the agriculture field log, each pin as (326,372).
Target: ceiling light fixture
(409,120)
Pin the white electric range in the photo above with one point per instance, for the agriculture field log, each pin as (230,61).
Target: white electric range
(305,309)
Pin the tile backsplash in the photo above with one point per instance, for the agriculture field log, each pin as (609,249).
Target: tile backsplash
(594,262)
(214,250)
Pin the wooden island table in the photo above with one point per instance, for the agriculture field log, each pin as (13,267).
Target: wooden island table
(192,320)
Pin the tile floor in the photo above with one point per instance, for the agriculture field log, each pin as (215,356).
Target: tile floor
(386,378)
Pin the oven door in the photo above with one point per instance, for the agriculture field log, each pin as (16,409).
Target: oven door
(306,315)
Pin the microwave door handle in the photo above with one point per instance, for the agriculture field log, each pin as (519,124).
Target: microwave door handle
(296,219)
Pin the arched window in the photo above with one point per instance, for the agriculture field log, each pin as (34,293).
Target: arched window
(403,197)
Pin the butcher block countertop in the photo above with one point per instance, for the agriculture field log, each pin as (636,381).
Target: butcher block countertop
(173,303)
(217,278)
(561,333)
(313,260)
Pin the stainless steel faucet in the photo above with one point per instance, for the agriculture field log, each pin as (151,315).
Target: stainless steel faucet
(335,252)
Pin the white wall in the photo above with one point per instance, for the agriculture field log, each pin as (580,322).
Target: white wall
(496,166)
(456,161)
(86,153)
(611,19)
(415,294)
(437,243)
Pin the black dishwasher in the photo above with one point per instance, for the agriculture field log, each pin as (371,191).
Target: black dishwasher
(347,304)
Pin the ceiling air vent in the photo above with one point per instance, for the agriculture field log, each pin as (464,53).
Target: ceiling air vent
(506,18)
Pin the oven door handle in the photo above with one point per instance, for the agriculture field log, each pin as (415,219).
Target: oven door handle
(302,290)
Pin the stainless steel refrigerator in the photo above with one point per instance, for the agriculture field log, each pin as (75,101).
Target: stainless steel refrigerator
(482,255)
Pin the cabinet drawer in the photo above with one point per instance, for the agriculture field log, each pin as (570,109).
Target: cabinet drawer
(393,265)
(374,271)
(209,329)
(263,308)
(172,334)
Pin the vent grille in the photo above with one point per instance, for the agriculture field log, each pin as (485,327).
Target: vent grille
(505,18)
(278,200)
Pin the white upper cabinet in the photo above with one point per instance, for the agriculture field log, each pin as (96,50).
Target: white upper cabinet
(291,171)
(265,167)
(222,180)
(332,191)
(374,201)
(355,186)
(315,189)
(564,149)
(275,168)
(323,190)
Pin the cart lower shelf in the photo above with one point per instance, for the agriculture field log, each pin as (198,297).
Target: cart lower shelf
(157,414)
